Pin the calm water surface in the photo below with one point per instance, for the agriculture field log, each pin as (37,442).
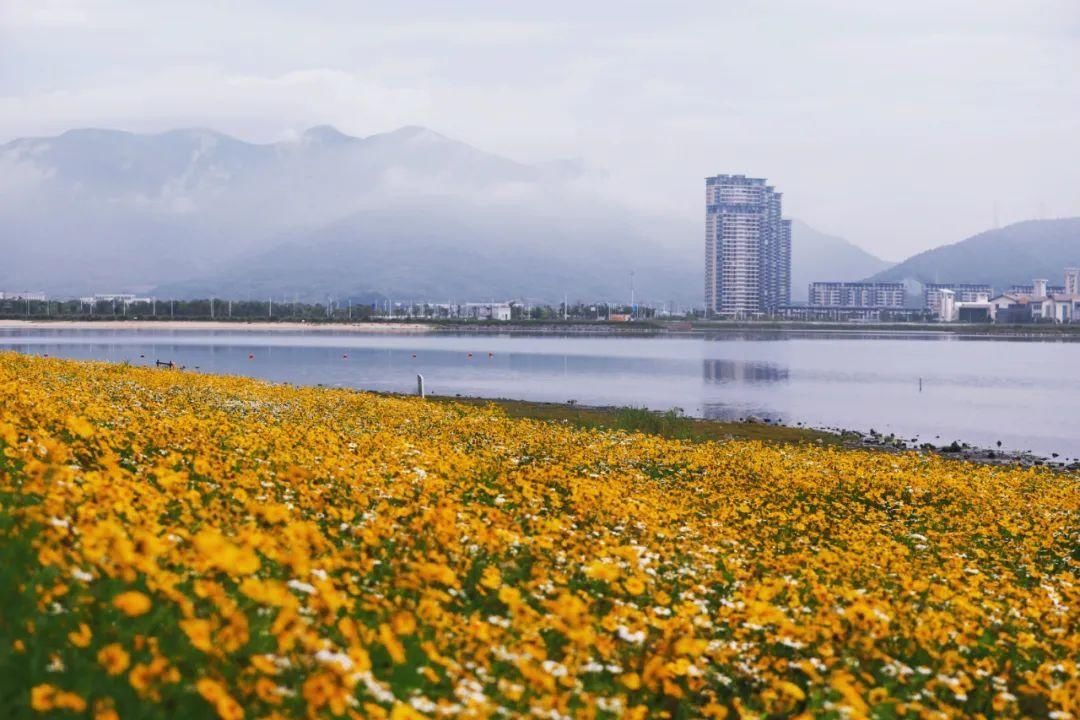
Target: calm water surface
(1025,394)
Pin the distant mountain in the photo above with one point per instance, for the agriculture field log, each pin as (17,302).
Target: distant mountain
(816,256)
(409,212)
(452,250)
(1010,255)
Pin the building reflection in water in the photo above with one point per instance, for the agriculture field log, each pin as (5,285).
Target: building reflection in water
(735,371)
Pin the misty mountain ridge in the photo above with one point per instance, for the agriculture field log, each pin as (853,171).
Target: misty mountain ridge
(409,213)
(1011,255)
(819,257)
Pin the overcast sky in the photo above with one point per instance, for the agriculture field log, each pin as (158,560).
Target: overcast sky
(898,125)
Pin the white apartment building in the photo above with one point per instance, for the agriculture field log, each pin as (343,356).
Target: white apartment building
(747,247)
(856,294)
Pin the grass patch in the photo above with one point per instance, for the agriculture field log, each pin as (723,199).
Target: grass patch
(669,424)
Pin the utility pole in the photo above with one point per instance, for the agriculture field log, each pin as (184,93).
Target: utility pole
(633,308)
(270,308)
(564,307)
(211,308)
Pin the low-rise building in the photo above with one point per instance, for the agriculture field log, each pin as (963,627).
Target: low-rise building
(1043,302)
(122,298)
(1031,289)
(856,294)
(24,295)
(962,292)
(467,311)
(979,310)
(841,313)
(485,311)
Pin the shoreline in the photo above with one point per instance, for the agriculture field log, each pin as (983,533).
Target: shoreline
(234,325)
(645,328)
(697,429)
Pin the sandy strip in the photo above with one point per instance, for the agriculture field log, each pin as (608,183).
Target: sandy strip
(379,327)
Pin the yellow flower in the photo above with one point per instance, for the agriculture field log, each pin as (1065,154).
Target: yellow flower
(80,426)
(403,623)
(132,603)
(224,554)
(104,710)
(198,632)
(491,578)
(82,636)
(287,532)
(264,664)
(42,696)
(391,643)
(402,711)
(602,570)
(114,658)
(45,697)
(791,690)
(214,693)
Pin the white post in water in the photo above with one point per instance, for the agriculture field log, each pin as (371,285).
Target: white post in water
(420,385)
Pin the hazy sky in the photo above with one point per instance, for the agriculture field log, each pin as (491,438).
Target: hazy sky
(898,125)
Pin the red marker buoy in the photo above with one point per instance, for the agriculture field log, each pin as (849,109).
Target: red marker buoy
(491,355)
(251,357)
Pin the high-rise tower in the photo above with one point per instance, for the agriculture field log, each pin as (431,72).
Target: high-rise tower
(747,247)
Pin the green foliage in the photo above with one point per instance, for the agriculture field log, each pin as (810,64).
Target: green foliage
(671,424)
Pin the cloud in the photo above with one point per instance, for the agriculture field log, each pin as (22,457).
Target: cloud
(895,124)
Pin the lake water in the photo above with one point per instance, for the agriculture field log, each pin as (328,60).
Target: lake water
(1025,394)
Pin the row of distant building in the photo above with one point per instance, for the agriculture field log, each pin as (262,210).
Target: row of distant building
(951,302)
(748,274)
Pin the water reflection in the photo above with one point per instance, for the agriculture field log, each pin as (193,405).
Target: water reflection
(737,371)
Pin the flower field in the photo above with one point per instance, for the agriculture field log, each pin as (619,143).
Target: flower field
(183,546)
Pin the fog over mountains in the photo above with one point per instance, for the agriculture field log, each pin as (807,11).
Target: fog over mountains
(818,256)
(409,214)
